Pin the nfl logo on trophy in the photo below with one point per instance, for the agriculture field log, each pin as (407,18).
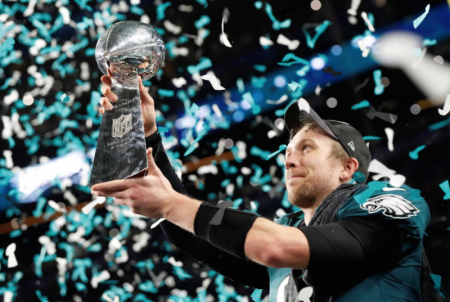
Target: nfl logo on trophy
(121,125)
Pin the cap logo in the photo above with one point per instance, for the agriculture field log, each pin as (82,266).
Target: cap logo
(352,145)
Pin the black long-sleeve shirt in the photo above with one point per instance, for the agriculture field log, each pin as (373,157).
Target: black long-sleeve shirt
(359,240)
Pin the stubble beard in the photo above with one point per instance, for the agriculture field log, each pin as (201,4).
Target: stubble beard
(306,194)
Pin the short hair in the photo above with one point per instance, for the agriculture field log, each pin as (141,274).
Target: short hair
(337,150)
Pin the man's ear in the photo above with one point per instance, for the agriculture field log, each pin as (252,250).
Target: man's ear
(349,168)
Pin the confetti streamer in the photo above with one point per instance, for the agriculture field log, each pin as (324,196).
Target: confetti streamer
(319,29)
(276,25)
(215,82)
(396,180)
(415,154)
(294,58)
(367,21)
(420,19)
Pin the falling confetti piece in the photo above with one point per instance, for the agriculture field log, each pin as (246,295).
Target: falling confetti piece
(415,154)
(446,188)
(420,19)
(215,82)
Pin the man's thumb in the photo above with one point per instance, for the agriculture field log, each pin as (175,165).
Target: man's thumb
(151,162)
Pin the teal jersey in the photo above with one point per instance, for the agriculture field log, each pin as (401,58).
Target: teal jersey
(411,214)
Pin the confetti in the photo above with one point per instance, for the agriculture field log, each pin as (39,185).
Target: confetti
(215,82)
(292,45)
(390,137)
(362,104)
(415,154)
(371,113)
(446,188)
(319,29)
(446,108)
(276,25)
(420,19)
(396,180)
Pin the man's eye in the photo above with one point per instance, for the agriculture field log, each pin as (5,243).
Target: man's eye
(306,147)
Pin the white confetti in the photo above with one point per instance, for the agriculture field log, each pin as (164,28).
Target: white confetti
(154,225)
(282,99)
(396,180)
(175,29)
(8,156)
(390,137)
(104,275)
(178,82)
(368,23)
(443,111)
(215,82)
(208,169)
(12,260)
(174,262)
(223,36)
(30,9)
(265,42)
(292,45)
(87,208)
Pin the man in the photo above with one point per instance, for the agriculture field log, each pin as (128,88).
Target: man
(349,241)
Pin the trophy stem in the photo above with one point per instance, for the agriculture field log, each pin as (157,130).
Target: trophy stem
(121,150)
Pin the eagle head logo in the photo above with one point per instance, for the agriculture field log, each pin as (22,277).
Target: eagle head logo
(393,206)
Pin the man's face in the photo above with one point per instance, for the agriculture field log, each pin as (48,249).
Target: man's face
(311,174)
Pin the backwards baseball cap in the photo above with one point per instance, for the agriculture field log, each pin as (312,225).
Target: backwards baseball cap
(300,113)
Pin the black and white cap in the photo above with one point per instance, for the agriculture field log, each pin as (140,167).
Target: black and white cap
(300,113)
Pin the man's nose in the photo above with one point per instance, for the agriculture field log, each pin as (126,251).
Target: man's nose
(290,162)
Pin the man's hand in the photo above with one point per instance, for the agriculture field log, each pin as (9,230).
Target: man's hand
(151,196)
(147,103)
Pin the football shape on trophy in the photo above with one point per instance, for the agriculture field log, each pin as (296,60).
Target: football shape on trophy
(126,50)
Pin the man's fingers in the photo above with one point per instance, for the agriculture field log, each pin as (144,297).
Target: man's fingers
(102,111)
(105,103)
(152,167)
(106,90)
(112,186)
(106,80)
(145,96)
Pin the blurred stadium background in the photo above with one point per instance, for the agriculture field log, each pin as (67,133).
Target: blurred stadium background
(280,51)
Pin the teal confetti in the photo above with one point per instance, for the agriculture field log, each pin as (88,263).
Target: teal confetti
(256,295)
(277,25)
(249,98)
(371,138)
(258,4)
(204,20)
(281,148)
(311,42)
(15,233)
(240,85)
(161,10)
(180,273)
(166,93)
(437,282)
(193,145)
(415,154)
(294,58)
(204,63)
(428,42)
(294,86)
(439,125)
(361,105)
(40,296)
(303,71)
(260,68)
(137,10)
(258,82)
(379,88)
(445,186)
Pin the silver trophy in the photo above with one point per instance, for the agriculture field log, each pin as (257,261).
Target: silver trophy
(125,51)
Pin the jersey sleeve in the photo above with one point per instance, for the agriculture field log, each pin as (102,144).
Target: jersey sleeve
(404,205)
